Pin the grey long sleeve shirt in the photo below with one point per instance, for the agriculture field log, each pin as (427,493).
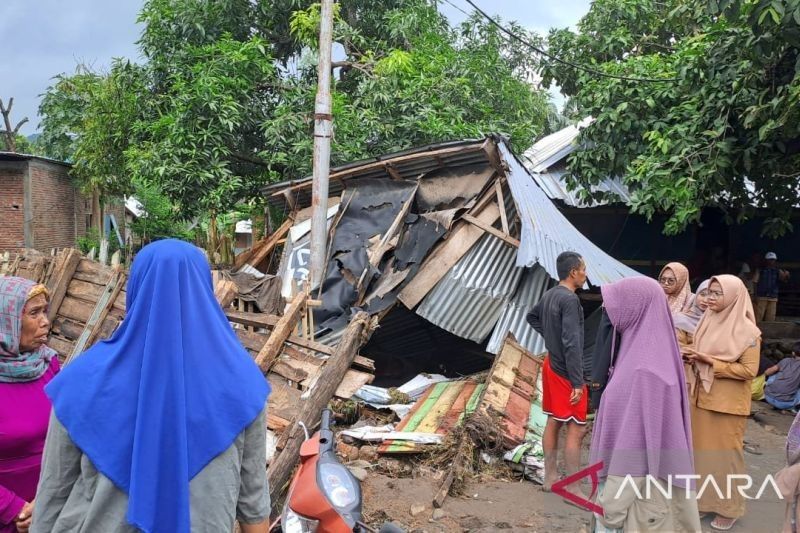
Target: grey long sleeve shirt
(558,317)
(74,497)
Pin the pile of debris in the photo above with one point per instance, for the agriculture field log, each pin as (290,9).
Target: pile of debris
(486,417)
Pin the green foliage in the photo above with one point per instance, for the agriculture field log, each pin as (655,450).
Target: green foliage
(24,145)
(223,103)
(91,240)
(160,218)
(729,111)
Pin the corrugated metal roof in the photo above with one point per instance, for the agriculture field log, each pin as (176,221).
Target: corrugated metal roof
(469,299)
(546,232)
(545,162)
(549,150)
(534,284)
(555,187)
(15,156)
(402,163)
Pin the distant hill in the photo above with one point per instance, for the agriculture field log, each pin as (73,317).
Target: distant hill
(34,137)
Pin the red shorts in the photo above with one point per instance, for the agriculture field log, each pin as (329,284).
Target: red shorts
(556,391)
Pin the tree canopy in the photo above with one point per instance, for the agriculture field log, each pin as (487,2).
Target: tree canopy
(720,129)
(223,100)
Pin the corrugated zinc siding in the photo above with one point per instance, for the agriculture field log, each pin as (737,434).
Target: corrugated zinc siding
(546,232)
(532,287)
(468,301)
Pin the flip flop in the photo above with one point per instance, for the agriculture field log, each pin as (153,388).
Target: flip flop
(717,527)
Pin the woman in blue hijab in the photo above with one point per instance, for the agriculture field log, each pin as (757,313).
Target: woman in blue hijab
(161,428)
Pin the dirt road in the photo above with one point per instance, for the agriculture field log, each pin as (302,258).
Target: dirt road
(522,506)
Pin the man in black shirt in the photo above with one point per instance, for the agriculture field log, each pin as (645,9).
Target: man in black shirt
(558,317)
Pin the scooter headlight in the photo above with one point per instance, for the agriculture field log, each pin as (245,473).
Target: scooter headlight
(338,485)
(292,522)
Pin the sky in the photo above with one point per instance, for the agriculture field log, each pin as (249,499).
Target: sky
(50,38)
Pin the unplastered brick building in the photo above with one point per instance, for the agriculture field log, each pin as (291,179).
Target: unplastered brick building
(40,205)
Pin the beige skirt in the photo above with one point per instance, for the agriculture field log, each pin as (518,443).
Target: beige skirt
(718,440)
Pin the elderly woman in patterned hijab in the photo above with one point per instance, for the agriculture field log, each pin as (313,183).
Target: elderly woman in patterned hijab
(26,366)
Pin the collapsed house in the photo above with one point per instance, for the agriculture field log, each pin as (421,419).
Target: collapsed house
(450,245)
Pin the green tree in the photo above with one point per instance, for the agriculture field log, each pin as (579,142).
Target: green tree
(223,102)
(722,127)
(159,218)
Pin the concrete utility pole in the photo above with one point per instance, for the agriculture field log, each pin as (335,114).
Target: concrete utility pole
(323,129)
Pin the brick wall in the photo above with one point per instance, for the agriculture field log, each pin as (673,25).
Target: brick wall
(12,234)
(54,197)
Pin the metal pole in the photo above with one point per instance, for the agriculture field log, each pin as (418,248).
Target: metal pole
(323,128)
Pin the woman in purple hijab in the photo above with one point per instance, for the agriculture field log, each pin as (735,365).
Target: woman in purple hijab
(26,366)
(642,433)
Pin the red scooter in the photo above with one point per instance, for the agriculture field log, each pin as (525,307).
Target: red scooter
(324,497)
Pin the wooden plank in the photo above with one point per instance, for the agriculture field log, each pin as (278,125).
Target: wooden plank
(445,256)
(98,315)
(414,418)
(225,292)
(352,381)
(475,399)
(276,423)
(283,329)
(84,290)
(94,272)
(385,446)
(61,345)
(281,466)
(78,310)
(288,370)
(284,401)
(364,363)
(258,257)
(459,407)
(67,328)
(501,202)
(263,320)
(491,229)
(436,414)
(243,257)
(66,265)
(501,379)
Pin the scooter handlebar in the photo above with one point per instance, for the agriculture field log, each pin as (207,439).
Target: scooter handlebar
(325,420)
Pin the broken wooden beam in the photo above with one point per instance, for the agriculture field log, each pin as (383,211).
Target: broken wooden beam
(280,469)
(262,320)
(283,330)
(488,228)
(66,265)
(256,257)
(225,292)
(501,201)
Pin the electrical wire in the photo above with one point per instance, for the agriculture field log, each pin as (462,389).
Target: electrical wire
(546,54)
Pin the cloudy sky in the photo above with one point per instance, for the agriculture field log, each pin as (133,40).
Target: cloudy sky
(50,37)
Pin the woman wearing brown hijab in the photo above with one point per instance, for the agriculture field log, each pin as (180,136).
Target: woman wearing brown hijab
(674,280)
(725,357)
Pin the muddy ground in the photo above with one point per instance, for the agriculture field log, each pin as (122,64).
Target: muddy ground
(510,505)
